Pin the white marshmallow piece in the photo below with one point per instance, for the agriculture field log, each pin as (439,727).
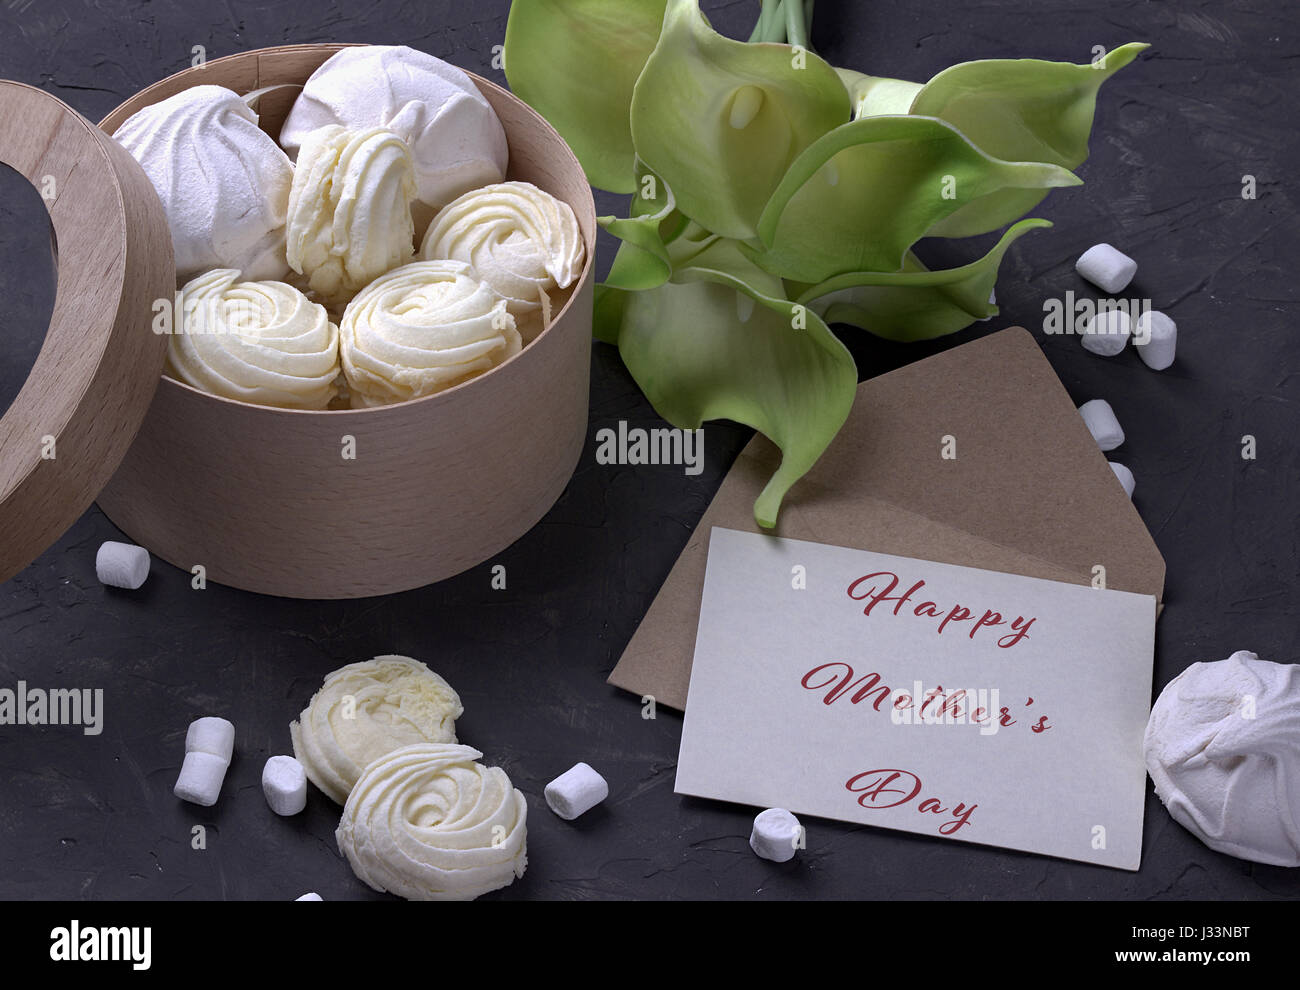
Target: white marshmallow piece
(310,897)
(1156,339)
(1108,269)
(1106,333)
(576,791)
(212,735)
(776,835)
(284,782)
(1125,477)
(121,565)
(1100,419)
(201,778)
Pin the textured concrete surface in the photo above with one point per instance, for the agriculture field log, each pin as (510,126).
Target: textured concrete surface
(94,817)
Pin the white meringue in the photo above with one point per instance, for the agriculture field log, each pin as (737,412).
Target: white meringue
(366,710)
(420,329)
(261,342)
(520,240)
(223,182)
(428,823)
(455,137)
(1223,747)
(350,209)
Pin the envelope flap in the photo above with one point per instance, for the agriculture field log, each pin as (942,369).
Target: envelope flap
(1025,490)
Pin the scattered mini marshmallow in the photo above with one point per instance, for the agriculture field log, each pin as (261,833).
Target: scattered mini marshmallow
(310,897)
(1108,269)
(1156,339)
(284,782)
(1125,477)
(1100,419)
(776,835)
(201,778)
(121,565)
(213,735)
(576,791)
(1107,332)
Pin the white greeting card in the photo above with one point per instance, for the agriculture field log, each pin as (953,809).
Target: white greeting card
(965,704)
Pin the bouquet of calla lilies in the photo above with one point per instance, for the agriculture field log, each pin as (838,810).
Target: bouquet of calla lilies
(774,194)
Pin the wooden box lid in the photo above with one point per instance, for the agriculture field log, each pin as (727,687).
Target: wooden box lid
(83,402)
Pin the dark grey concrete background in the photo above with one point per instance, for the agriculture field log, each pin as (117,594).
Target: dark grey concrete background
(94,817)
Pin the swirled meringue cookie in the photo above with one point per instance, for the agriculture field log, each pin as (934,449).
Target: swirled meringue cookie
(1223,747)
(429,823)
(519,239)
(261,342)
(420,329)
(455,137)
(223,182)
(366,710)
(350,209)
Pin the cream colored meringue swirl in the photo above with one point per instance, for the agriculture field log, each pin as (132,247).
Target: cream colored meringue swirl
(1223,748)
(429,823)
(520,240)
(260,342)
(420,329)
(350,209)
(366,710)
(223,182)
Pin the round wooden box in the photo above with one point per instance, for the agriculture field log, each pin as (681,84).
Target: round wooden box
(353,503)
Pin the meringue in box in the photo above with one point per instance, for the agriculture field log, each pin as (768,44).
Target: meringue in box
(355,502)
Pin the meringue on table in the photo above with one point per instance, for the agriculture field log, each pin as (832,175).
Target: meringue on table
(349,217)
(420,329)
(519,239)
(260,342)
(456,140)
(1223,748)
(223,182)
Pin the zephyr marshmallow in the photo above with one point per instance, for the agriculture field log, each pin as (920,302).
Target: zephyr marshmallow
(1125,477)
(576,791)
(121,565)
(224,183)
(1100,419)
(1223,749)
(775,835)
(1106,333)
(455,137)
(284,782)
(1108,269)
(1156,339)
(310,897)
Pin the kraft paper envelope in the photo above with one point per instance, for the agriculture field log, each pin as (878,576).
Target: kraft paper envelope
(1028,492)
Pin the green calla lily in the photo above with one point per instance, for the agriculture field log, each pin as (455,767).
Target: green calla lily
(643,261)
(915,303)
(875,95)
(1018,110)
(706,349)
(721,120)
(576,62)
(867,191)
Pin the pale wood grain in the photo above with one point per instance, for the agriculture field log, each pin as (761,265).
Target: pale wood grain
(263,499)
(99,364)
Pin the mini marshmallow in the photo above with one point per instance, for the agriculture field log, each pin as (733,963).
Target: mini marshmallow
(776,835)
(1100,419)
(1156,338)
(211,735)
(576,791)
(1108,269)
(200,779)
(122,565)
(1125,477)
(310,897)
(1106,333)
(284,782)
